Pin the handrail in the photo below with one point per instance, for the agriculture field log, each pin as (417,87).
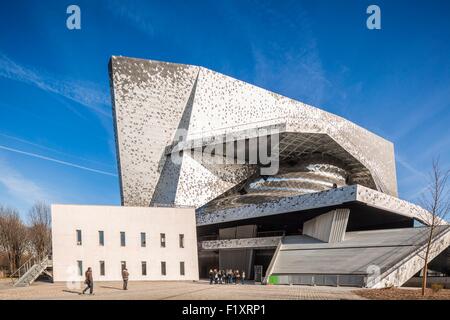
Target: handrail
(26,266)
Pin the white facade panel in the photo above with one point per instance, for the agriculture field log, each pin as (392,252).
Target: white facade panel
(112,220)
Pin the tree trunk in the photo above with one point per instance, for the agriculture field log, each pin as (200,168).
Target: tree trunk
(17,259)
(424,277)
(425,267)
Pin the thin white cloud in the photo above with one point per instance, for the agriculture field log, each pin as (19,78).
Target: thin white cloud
(42,147)
(294,74)
(21,187)
(292,68)
(70,164)
(409,167)
(421,179)
(85,93)
(426,108)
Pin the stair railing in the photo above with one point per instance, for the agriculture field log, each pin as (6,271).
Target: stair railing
(25,267)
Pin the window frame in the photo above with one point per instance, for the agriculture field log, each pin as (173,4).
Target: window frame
(162,240)
(143,239)
(163,268)
(124,238)
(182,268)
(79,237)
(80,267)
(101,238)
(181,240)
(102,268)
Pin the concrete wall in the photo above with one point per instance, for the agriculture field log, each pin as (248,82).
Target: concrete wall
(66,219)
(328,227)
(254,243)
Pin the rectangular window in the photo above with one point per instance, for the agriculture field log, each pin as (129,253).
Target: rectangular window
(144,268)
(163,240)
(101,238)
(181,240)
(123,265)
(143,239)
(163,268)
(79,237)
(80,267)
(102,268)
(182,268)
(122,238)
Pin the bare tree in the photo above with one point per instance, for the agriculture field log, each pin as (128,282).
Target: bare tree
(435,200)
(13,236)
(39,219)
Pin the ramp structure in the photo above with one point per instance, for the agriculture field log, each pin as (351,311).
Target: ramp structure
(373,259)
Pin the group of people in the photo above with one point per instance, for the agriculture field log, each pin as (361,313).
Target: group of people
(89,280)
(228,276)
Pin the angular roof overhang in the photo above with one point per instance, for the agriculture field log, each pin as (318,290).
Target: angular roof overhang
(325,199)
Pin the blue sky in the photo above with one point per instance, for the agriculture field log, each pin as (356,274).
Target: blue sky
(56,133)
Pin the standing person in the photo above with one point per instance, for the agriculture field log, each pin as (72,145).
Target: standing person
(224,276)
(243,277)
(238,277)
(89,281)
(216,276)
(125,275)
(211,276)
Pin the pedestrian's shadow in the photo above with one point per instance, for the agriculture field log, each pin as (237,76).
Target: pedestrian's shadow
(106,287)
(70,291)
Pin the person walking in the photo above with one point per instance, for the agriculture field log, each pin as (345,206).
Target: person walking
(89,281)
(125,275)
(243,277)
(211,276)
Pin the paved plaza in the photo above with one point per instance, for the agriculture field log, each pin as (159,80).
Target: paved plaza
(177,290)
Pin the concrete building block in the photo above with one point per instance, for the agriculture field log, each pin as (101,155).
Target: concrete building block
(113,220)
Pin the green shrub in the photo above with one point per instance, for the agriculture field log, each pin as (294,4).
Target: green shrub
(273,279)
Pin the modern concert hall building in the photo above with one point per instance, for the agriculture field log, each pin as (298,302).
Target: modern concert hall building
(284,191)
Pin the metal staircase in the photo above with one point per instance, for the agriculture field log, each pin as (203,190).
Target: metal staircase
(31,270)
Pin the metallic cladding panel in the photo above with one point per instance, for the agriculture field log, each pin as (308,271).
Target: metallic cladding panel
(149,99)
(152,99)
(332,197)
